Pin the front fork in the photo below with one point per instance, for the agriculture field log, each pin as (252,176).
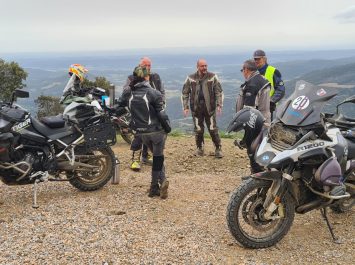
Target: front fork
(274,195)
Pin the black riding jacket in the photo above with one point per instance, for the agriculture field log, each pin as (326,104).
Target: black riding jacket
(144,103)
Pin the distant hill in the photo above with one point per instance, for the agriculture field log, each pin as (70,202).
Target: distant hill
(341,74)
(48,75)
(294,69)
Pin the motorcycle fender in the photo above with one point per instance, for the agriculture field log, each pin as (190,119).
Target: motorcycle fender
(268,175)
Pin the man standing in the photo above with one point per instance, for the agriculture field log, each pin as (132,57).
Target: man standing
(254,92)
(277,91)
(202,93)
(136,146)
(150,123)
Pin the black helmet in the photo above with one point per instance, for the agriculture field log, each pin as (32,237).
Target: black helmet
(248,119)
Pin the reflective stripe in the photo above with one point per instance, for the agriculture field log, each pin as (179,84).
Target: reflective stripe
(269,75)
(212,124)
(198,128)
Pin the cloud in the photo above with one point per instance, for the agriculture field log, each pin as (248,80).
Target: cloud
(347,15)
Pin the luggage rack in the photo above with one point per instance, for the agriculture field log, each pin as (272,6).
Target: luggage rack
(99,135)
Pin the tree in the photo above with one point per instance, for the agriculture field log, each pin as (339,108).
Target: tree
(100,81)
(48,106)
(11,77)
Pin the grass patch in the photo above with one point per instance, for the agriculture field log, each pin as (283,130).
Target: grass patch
(176,133)
(222,134)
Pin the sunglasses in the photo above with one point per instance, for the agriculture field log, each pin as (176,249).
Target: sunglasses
(242,69)
(257,59)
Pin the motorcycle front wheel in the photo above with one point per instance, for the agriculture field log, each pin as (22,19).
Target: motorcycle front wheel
(104,161)
(245,213)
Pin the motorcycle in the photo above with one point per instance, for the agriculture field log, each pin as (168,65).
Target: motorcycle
(75,148)
(97,97)
(309,161)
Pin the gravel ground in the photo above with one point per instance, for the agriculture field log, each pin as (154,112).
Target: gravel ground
(120,224)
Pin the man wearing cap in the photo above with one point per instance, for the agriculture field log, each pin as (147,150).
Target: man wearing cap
(150,123)
(273,75)
(136,145)
(202,94)
(255,93)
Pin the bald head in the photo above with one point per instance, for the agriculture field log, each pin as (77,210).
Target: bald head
(146,62)
(202,66)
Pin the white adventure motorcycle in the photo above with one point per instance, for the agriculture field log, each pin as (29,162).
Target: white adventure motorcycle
(309,161)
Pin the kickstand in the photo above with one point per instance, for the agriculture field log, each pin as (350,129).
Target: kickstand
(323,211)
(35,205)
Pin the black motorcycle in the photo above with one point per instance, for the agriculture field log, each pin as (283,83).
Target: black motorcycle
(309,161)
(74,148)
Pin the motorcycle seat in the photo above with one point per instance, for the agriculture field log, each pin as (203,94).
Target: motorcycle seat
(51,133)
(54,122)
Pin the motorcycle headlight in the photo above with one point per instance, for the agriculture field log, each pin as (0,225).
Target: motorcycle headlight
(265,158)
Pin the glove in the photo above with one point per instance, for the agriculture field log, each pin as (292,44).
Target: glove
(164,121)
(272,106)
(120,111)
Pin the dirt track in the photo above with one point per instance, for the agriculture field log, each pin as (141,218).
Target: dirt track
(121,225)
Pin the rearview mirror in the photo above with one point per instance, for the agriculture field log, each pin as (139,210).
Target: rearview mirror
(347,100)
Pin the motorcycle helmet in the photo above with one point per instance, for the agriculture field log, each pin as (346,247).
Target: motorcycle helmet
(78,70)
(248,119)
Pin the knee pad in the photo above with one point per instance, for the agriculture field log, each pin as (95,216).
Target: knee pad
(158,162)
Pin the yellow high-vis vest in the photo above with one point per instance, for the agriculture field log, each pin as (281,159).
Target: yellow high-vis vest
(269,75)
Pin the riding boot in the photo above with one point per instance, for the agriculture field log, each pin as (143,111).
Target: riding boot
(154,185)
(199,144)
(215,138)
(217,143)
(199,139)
(164,184)
(135,162)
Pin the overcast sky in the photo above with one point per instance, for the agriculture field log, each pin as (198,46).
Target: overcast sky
(67,25)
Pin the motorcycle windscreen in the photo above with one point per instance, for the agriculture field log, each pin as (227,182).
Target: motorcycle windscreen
(305,104)
(68,87)
(70,84)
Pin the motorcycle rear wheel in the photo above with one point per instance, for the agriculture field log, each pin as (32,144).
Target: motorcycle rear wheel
(90,181)
(245,212)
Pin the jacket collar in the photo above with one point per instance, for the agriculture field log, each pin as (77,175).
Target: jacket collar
(144,83)
(263,69)
(252,76)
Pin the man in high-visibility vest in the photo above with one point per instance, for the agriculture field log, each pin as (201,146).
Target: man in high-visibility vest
(277,91)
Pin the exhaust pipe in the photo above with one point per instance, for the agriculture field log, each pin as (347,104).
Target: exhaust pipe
(312,206)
